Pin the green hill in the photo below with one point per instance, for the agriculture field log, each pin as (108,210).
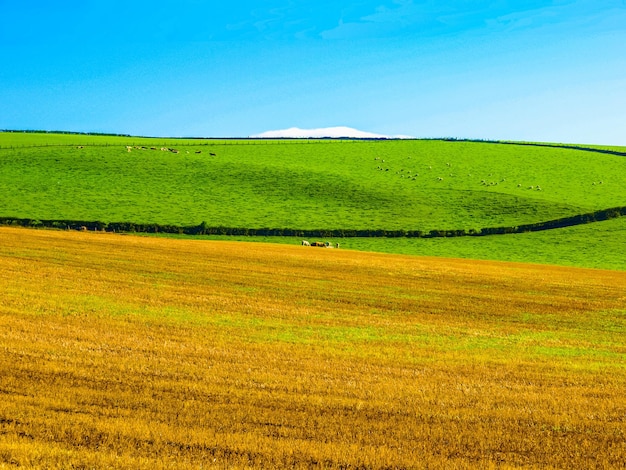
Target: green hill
(410,185)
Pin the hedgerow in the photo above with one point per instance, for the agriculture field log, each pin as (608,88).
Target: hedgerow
(205,229)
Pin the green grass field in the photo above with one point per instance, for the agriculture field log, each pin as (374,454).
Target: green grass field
(599,245)
(323,184)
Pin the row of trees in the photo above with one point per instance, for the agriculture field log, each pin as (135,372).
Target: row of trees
(205,229)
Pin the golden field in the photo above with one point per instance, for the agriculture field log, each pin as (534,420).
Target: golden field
(129,352)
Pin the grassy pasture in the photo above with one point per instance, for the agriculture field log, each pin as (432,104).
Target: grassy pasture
(599,245)
(135,352)
(303,184)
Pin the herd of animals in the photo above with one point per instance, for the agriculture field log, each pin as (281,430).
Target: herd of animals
(408,174)
(320,244)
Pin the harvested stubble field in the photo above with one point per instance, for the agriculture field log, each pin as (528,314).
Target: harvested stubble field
(128,352)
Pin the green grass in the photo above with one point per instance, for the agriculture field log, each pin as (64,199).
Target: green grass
(308,185)
(423,185)
(598,245)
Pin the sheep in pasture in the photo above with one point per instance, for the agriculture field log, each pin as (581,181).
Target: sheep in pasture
(198,151)
(519,185)
(212,154)
(305,243)
(439,178)
(531,187)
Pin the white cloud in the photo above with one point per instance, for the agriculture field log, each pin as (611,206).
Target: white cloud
(332,132)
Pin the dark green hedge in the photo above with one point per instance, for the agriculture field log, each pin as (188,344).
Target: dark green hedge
(205,229)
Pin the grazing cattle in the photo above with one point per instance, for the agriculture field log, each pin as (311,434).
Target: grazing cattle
(80,147)
(322,244)
(305,243)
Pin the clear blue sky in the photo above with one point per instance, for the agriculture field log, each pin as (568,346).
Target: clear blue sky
(519,70)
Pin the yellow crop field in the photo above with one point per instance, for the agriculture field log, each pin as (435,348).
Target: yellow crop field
(127,352)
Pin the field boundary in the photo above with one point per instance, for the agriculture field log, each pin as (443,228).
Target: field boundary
(205,229)
(205,141)
(561,146)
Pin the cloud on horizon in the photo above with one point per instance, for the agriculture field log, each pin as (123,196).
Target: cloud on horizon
(331,132)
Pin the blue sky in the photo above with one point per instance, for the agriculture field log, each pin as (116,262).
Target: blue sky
(518,70)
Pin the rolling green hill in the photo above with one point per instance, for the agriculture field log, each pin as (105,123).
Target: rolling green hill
(410,185)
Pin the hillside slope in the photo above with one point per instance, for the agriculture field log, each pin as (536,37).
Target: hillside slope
(411,185)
